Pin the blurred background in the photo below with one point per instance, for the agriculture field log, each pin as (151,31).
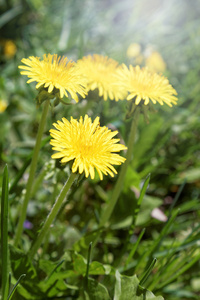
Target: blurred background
(165,36)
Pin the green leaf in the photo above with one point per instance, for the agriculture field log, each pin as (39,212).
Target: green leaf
(134,248)
(4,233)
(191,175)
(21,264)
(127,288)
(85,241)
(95,291)
(79,263)
(15,286)
(97,268)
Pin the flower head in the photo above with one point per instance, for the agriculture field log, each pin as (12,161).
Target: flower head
(155,62)
(55,72)
(3,106)
(133,50)
(9,48)
(100,73)
(142,84)
(88,145)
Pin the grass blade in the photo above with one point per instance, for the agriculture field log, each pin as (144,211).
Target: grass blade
(159,240)
(132,226)
(176,198)
(180,271)
(4,234)
(139,202)
(15,286)
(148,271)
(131,254)
(88,264)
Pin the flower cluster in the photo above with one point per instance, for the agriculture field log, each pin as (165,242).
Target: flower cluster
(113,81)
(88,145)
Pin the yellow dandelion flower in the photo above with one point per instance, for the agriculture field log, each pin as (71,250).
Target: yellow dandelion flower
(133,50)
(155,62)
(100,73)
(144,85)
(3,106)
(55,72)
(89,145)
(9,48)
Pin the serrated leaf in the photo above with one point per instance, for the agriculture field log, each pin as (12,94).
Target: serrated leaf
(85,241)
(79,263)
(97,268)
(21,264)
(127,287)
(95,291)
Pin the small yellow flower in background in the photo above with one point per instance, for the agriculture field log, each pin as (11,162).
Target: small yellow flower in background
(89,145)
(133,50)
(55,72)
(144,85)
(155,62)
(3,106)
(9,48)
(100,73)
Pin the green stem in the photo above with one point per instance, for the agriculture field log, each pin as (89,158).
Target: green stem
(52,215)
(120,181)
(32,172)
(38,180)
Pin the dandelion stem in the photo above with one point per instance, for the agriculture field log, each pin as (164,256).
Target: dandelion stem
(32,172)
(119,184)
(50,218)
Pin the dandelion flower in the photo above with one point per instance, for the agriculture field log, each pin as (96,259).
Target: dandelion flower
(3,106)
(100,73)
(9,48)
(55,72)
(88,145)
(155,62)
(133,50)
(142,84)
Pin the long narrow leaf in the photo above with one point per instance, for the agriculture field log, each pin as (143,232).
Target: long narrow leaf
(158,241)
(15,286)
(180,271)
(131,254)
(4,233)
(132,226)
(148,271)
(139,202)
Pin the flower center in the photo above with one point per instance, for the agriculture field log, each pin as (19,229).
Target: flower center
(85,147)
